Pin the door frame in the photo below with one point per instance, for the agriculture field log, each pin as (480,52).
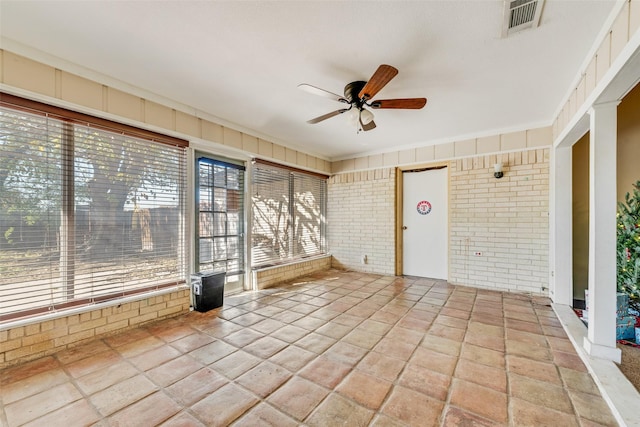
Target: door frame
(400,209)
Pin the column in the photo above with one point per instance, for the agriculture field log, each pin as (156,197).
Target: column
(601,336)
(561,227)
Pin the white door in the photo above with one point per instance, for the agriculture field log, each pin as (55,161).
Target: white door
(425,227)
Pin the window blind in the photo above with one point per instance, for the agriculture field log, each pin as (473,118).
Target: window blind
(87,214)
(288,214)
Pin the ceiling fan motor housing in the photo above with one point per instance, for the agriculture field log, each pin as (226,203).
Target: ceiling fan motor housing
(351,91)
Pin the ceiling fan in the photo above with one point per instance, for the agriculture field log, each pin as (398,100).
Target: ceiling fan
(359,95)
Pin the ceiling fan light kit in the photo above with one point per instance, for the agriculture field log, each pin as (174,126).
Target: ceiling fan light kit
(359,95)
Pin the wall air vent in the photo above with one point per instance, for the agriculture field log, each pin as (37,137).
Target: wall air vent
(521,15)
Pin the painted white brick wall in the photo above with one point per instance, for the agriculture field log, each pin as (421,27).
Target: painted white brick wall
(361,220)
(506,220)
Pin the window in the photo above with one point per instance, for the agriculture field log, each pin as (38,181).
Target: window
(89,210)
(220,219)
(288,214)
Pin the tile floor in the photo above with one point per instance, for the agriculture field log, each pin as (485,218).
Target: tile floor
(334,349)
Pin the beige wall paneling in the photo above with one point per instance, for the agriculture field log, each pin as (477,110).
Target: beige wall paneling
(279,153)
(312,162)
(159,115)
(539,137)
(488,144)
(390,159)
(301,159)
(603,58)
(590,82)
(375,161)
(444,151)
(232,138)
(81,91)
(362,163)
(634,17)
(265,148)
(425,154)
(620,32)
(249,143)
(123,104)
(291,156)
(26,74)
(464,148)
(513,141)
(212,132)
(406,157)
(188,124)
(580,92)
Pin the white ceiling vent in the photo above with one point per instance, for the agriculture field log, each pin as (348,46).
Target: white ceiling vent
(521,15)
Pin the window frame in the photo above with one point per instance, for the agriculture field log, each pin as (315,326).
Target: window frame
(68,119)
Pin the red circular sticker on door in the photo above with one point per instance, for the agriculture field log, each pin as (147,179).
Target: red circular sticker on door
(423,207)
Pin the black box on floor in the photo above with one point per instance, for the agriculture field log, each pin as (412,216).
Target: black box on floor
(208,290)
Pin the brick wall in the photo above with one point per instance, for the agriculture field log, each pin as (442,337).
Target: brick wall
(270,276)
(23,343)
(505,219)
(361,218)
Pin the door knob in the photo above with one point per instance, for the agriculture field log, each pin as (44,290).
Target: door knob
(404,227)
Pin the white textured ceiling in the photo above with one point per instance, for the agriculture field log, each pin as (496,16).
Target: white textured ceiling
(241,61)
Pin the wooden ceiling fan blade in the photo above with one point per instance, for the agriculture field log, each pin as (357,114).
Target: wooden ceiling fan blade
(406,103)
(321,92)
(327,116)
(380,78)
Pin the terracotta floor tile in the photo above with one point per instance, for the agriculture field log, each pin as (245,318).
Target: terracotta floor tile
(479,400)
(483,355)
(182,419)
(189,390)
(346,353)
(592,409)
(543,371)
(531,351)
(38,405)
(192,341)
(290,333)
(525,413)
(444,331)
(93,363)
(481,374)
(155,357)
(336,410)
(325,371)
(106,377)
(381,366)
(540,393)
(264,378)
(334,330)
(77,413)
(223,406)
(412,408)
(365,389)
(265,415)
(267,326)
(569,360)
(456,417)
(265,347)
(174,370)
(435,361)
(426,381)
(441,345)
(395,348)
(298,397)
(172,332)
(122,394)
(235,364)
(213,352)
(32,385)
(315,343)
(152,410)
(578,381)
(376,350)
(96,347)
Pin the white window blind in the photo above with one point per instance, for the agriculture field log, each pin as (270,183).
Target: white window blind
(88,214)
(288,214)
